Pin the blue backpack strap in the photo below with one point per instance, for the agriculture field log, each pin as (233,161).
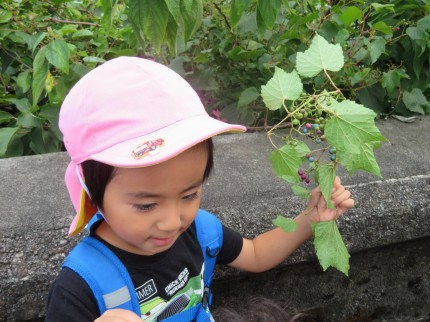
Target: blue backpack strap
(105,274)
(210,236)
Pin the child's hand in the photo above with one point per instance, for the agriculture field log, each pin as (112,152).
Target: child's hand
(317,207)
(119,315)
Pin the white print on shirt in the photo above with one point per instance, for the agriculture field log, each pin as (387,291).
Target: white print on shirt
(177,284)
(146,291)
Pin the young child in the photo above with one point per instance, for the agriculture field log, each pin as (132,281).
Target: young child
(140,146)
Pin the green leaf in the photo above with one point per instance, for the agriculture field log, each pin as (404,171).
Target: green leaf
(149,19)
(82,33)
(43,141)
(286,224)
(415,101)
(391,79)
(329,246)
(6,134)
(351,126)
(5,16)
(267,11)
(58,54)
(365,160)
(376,49)
(40,73)
(23,81)
(188,14)
(382,7)
(237,8)
(93,59)
(286,161)
(350,14)
(248,96)
(23,105)
(382,27)
(28,120)
(301,192)
(301,149)
(318,57)
(38,40)
(51,113)
(282,86)
(5,117)
(326,174)
(107,6)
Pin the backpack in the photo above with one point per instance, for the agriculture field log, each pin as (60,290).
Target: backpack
(111,283)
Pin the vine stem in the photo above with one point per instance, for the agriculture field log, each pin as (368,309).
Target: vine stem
(331,81)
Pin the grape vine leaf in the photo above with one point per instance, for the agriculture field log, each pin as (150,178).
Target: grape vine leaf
(318,57)
(286,224)
(282,86)
(285,162)
(300,191)
(365,160)
(329,246)
(351,126)
(326,174)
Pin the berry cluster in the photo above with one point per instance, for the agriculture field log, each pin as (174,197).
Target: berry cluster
(303,176)
(332,152)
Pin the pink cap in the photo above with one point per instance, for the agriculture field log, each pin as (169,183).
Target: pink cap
(130,112)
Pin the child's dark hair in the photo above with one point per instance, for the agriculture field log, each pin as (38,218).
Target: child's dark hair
(97,175)
(260,309)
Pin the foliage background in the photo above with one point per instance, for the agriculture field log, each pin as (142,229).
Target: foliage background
(226,49)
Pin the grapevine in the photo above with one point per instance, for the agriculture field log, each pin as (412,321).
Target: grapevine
(326,131)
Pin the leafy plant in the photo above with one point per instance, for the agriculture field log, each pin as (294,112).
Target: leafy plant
(339,131)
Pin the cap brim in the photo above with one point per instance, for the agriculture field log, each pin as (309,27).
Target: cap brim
(177,138)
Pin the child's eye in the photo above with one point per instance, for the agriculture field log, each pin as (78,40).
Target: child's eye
(145,207)
(191,196)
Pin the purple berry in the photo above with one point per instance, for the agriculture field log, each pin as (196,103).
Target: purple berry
(308,126)
(303,176)
(319,132)
(300,172)
(307,180)
(308,155)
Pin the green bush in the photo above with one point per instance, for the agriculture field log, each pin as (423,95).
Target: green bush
(226,49)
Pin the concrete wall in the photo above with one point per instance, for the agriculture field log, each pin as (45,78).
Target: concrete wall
(387,233)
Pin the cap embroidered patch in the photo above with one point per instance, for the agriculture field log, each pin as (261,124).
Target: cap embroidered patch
(149,147)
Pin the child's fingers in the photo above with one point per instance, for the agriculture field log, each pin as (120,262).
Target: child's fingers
(337,182)
(118,315)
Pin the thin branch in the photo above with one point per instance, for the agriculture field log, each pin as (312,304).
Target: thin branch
(223,15)
(73,22)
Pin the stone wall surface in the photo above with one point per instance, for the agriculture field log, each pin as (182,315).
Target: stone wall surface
(387,233)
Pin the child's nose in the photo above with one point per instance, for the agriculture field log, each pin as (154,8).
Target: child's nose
(171,220)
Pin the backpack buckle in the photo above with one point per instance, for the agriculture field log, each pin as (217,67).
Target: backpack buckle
(205,298)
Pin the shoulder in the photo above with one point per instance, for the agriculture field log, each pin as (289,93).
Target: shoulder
(70,299)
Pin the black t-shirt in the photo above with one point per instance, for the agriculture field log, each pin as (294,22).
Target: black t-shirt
(174,275)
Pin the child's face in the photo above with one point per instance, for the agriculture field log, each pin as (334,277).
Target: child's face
(146,209)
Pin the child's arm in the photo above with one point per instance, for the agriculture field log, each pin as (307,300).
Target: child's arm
(118,315)
(273,247)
